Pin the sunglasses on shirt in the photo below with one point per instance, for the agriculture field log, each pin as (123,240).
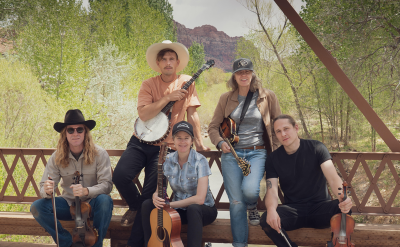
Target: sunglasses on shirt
(72,130)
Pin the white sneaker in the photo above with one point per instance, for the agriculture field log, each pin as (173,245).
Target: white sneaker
(254,216)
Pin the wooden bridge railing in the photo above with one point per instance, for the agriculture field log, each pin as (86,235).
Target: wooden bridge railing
(373,177)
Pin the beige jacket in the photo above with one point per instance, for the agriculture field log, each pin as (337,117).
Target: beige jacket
(268,106)
(96,176)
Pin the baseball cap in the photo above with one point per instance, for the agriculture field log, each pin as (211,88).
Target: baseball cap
(183,126)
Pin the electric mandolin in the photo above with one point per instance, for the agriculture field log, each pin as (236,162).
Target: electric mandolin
(228,133)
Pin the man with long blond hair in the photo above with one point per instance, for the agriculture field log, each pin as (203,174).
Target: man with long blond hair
(76,151)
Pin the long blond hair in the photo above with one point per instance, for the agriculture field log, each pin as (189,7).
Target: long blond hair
(89,149)
(254,84)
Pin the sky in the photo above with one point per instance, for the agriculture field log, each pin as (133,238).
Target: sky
(228,16)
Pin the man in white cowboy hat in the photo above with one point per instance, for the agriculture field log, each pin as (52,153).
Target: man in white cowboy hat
(166,58)
(75,152)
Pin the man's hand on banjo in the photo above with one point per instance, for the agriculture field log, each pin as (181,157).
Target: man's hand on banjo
(176,95)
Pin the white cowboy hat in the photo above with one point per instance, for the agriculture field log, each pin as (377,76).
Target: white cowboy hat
(181,50)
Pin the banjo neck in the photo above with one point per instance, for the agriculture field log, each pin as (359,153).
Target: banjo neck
(187,84)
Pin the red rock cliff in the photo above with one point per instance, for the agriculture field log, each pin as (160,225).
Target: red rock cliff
(217,44)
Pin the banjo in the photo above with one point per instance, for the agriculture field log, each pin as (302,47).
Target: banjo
(157,129)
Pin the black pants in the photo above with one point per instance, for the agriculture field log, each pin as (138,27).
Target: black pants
(137,156)
(295,216)
(195,216)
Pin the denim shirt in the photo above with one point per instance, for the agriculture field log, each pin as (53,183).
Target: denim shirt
(184,181)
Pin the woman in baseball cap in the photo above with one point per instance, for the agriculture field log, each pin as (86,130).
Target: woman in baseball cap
(252,108)
(187,172)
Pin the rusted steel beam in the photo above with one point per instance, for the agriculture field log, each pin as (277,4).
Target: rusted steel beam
(330,63)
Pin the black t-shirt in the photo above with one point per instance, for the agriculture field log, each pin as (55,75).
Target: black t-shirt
(300,174)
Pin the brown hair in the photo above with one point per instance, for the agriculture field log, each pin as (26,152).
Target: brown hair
(161,53)
(285,116)
(254,84)
(89,149)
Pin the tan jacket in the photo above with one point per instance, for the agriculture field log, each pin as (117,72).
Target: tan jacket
(268,106)
(96,176)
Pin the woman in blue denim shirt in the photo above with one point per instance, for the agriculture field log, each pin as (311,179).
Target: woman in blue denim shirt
(187,172)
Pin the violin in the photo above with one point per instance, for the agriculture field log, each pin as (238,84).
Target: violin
(342,226)
(83,234)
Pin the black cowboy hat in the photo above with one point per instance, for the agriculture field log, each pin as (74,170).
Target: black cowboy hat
(74,117)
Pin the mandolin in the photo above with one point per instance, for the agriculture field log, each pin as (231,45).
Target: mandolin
(342,226)
(157,129)
(227,131)
(166,222)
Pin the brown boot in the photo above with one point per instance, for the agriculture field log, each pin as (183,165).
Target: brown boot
(128,218)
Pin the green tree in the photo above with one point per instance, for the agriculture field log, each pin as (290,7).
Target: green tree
(364,37)
(196,58)
(276,41)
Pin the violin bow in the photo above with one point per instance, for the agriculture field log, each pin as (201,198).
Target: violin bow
(53,201)
(283,235)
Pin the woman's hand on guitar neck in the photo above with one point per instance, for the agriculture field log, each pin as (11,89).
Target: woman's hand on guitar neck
(158,202)
(225,147)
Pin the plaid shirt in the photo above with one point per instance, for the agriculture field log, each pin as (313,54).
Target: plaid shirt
(184,181)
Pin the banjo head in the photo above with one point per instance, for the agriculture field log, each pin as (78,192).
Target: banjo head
(153,130)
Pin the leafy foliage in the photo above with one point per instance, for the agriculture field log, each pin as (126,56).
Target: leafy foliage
(362,35)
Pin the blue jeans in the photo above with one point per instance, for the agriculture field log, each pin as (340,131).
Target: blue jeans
(42,211)
(242,191)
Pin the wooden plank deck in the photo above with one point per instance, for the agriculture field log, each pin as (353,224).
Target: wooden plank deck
(13,244)
(365,235)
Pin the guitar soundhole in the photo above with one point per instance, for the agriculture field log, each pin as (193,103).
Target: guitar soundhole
(163,236)
(162,233)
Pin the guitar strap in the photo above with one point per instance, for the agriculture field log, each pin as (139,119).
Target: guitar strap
(244,110)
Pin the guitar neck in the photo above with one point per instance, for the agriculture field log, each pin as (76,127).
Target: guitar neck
(232,149)
(186,86)
(160,193)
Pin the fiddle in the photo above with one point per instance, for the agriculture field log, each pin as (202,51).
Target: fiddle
(83,234)
(342,226)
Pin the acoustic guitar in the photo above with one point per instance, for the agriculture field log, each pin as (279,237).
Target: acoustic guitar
(166,222)
(157,129)
(228,133)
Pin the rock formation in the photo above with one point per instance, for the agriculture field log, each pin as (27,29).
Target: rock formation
(217,44)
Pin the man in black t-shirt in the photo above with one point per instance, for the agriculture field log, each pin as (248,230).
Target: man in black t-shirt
(303,168)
